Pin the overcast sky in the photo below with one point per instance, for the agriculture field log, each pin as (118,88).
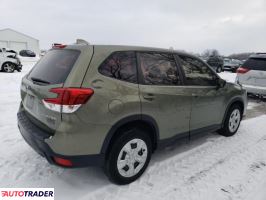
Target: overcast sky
(230,26)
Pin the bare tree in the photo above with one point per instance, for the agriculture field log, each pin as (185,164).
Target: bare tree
(210,52)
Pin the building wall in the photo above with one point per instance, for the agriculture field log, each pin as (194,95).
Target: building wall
(18,41)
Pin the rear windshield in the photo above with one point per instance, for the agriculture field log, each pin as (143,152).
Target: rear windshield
(55,66)
(255,64)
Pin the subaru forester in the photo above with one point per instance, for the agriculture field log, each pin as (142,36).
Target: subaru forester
(113,106)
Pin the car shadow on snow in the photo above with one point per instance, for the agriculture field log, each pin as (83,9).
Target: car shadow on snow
(181,147)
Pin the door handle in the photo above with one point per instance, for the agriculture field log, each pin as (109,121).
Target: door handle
(148,96)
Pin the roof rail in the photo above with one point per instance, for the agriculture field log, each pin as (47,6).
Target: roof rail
(81,41)
(260,53)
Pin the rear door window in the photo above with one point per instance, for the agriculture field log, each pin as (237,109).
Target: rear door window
(120,65)
(159,69)
(55,66)
(255,64)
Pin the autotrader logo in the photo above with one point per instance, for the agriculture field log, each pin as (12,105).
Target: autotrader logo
(27,193)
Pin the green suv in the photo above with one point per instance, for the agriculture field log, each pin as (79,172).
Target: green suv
(113,106)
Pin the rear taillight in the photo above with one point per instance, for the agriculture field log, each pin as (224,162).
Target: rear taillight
(68,100)
(242,70)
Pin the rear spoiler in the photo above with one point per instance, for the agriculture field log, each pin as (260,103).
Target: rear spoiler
(61,46)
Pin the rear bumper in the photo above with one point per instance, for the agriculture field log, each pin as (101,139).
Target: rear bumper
(255,89)
(35,137)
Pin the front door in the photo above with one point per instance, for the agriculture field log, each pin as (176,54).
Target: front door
(207,100)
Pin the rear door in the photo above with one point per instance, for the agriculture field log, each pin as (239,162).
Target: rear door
(257,72)
(207,101)
(50,72)
(162,94)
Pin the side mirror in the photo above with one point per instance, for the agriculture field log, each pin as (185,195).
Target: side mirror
(220,83)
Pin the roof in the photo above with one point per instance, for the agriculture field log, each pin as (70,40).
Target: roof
(9,29)
(112,48)
(84,43)
(129,47)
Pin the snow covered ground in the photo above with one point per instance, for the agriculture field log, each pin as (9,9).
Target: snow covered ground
(206,168)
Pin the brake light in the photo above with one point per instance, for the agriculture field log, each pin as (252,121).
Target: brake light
(68,100)
(63,162)
(242,70)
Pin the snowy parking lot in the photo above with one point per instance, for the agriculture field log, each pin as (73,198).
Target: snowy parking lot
(208,167)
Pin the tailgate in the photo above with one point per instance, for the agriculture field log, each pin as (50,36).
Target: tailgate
(248,78)
(50,72)
(32,96)
(260,78)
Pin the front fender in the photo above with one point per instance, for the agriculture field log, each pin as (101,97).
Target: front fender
(233,100)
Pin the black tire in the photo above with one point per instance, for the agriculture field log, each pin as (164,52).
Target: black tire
(219,69)
(8,67)
(111,168)
(225,130)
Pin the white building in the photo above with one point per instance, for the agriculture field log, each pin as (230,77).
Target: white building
(17,41)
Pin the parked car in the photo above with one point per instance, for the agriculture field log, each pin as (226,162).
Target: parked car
(113,106)
(217,63)
(27,53)
(232,64)
(252,74)
(9,62)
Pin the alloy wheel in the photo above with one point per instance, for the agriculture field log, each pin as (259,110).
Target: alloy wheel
(8,67)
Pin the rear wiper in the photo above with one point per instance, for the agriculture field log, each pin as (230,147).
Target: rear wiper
(38,80)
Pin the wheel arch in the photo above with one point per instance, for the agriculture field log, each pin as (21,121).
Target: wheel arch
(143,121)
(234,101)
